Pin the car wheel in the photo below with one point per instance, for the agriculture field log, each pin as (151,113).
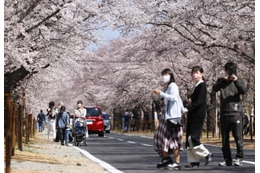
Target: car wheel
(101,134)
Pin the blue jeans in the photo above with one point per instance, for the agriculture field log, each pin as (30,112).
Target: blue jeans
(40,126)
(67,136)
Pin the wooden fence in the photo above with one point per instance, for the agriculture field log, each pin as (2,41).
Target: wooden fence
(17,126)
(149,126)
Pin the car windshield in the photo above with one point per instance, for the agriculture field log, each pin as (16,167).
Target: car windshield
(93,112)
(105,116)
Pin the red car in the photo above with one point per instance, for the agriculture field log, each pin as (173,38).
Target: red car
(95,121)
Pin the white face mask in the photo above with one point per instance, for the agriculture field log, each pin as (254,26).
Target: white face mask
(166,78)
(196,76)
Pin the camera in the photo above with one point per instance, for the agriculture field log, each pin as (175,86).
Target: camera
(232,70)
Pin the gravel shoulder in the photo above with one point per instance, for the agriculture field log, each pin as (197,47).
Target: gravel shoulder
(44,156)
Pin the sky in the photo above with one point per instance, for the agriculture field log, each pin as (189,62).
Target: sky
(107,34)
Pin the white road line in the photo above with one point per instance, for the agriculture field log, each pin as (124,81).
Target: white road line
(130,135)
(111,137)
(105,165)
(249,162)
(131,142)
(147,137)
(146,145)
(221,146)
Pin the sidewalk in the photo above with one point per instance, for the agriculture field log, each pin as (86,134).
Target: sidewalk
(44,156)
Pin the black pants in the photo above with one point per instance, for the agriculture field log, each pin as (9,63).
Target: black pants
(62,135)
(194,129)
(233,124)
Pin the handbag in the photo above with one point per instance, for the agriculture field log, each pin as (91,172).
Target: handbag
(173,122)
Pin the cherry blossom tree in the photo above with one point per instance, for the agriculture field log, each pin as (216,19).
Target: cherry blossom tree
(39,33)
(46,55)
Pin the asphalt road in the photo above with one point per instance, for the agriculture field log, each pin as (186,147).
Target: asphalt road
(135,154)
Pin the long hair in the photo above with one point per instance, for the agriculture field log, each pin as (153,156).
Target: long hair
(168,71)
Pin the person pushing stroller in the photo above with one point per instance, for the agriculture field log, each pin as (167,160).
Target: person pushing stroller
(80,130)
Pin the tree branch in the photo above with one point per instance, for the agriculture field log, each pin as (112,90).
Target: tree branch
(28,10)
(241,53)
(201,30)
(209,25)
(44,20)
(202,43)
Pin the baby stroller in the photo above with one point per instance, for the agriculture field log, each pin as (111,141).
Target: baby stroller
(79,132)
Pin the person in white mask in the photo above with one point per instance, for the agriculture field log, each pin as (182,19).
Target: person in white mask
(196,106)
(167,138)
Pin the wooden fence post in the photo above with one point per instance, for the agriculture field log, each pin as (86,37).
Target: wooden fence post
(20,128)
(30,125)
(34,126)
(13,128)
(17,124)
(8,137)
(24,119)
(26,128)
(251,127)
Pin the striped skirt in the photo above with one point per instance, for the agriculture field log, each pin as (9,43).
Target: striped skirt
(165,140)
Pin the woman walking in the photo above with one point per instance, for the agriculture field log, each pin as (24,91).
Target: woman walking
(52,113)
(168,139)
(61,123)
(195,119)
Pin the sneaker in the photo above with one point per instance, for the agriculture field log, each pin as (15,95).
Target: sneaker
(225,164)
(165,161)
(173,166)
(69,145)
(238,162)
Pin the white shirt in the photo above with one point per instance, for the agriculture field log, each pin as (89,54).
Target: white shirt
(81,112)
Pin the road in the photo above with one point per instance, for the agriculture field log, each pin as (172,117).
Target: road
(135,154)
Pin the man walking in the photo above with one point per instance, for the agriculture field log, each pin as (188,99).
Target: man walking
(41,120)
(231,88)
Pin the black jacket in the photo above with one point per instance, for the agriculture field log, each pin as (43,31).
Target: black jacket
(196,114)
(230,96)
(197,110)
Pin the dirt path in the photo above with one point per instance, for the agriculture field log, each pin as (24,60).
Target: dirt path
(44,156)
